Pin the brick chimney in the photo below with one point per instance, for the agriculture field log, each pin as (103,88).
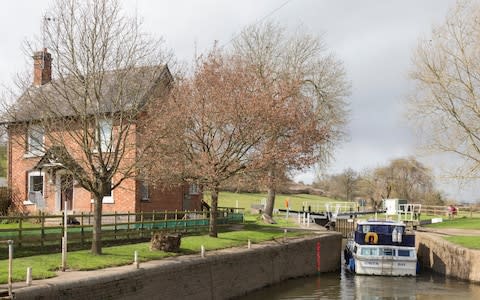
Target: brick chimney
(42,67)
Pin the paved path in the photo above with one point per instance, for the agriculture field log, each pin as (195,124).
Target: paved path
(451,231)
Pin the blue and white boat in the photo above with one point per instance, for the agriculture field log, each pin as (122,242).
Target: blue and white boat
(381,248)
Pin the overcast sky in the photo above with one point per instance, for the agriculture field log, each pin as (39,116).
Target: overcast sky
(374,39)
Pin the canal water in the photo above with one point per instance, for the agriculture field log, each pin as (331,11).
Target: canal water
(344,285)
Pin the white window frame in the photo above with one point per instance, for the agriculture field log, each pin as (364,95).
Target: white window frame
(31,174)
(194,189)
(105,134)
(32,139)
(109,199)
(144,191)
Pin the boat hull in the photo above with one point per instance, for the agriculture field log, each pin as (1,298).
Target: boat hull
(385,267)
(381,260)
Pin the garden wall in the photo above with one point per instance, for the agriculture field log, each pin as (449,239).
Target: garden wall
(221,274)
(446,258)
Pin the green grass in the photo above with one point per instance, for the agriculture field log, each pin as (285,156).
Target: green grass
(295,202)
(44,266)
(458,223)
(471,242)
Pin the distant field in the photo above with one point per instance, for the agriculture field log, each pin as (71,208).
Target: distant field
(295,202)
(459,223)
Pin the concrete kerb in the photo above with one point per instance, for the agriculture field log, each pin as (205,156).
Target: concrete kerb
(77,280)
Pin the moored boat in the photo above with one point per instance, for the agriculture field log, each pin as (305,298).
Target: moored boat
(381,248)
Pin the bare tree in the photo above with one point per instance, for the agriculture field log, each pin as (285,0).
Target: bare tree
(305,87)
(105,72)
(211,124)
(404,178)
(340,186)
(445,106)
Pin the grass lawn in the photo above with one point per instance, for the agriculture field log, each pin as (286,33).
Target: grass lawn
(295,202)
(471,242)
(44,266)
(458,223)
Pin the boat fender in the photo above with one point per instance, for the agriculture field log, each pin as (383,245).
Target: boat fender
(371,238)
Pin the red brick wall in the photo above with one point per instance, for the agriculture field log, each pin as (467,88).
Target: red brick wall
(168,199)
(126,197)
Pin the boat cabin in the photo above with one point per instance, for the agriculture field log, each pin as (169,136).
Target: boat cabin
(383,233)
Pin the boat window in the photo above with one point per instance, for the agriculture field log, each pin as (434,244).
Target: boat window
(365,228)
(381,229)
(403,252)
(388,252)
(369,251)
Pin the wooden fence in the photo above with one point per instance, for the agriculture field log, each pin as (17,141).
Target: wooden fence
(442,210)
(47,230)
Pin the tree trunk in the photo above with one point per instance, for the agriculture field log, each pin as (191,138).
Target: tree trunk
(213,213)
(271,194)
(97,226)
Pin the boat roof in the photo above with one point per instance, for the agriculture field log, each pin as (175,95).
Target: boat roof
(380,222)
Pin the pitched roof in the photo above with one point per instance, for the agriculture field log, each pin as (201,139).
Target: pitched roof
(100,93)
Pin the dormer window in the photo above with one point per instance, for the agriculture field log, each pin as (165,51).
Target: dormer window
(35,140)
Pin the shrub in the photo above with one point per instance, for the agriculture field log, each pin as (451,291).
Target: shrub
(5,200)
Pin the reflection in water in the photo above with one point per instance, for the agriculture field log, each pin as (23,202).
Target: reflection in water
(344,285)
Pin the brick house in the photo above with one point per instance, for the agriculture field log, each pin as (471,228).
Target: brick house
(39,182)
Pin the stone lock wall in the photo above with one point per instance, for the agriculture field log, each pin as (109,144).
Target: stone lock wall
(446,258)
(220,275)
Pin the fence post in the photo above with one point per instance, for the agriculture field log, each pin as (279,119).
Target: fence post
(128,224)
(166,219)
(42,230)
(176,218)
(82,231)
(141,220)
(20,226)
(115,225)
(64,239)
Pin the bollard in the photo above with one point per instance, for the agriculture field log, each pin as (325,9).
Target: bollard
(135,259)
(64,255)
(10,268)
(249,244)
(202,251)
(29,276)
(285,235)
(308,220)
(64,238)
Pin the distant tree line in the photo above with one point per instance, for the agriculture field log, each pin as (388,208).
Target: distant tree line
(404,178)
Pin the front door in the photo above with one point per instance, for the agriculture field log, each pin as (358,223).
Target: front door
(66,192)
(187,201)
